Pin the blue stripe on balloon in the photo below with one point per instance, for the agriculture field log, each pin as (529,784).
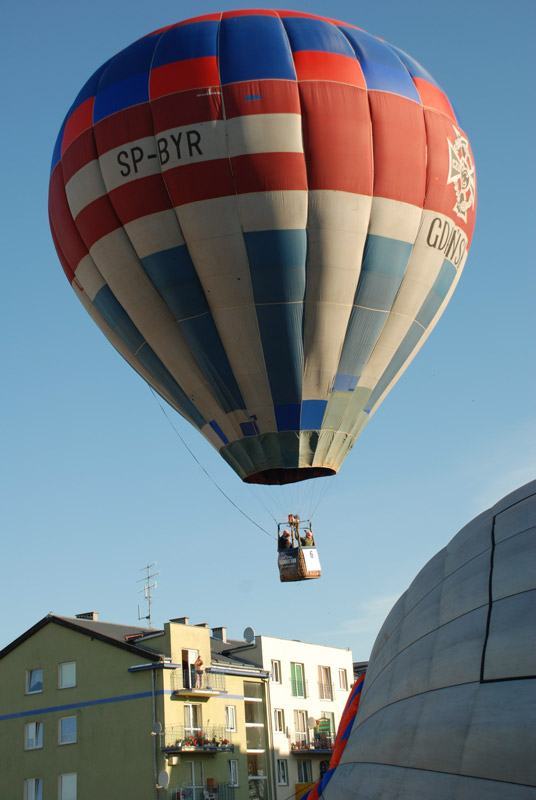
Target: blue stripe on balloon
(418,328)
(277,267)
(312,414)
(254,47)
(314,34)
(173,273)
(287,417)
(413,67)
(125,81)
(381,67)
(437,294)
(128,92)
(56,155)
(117,318)
(384,264)
(197,40)
(215,427)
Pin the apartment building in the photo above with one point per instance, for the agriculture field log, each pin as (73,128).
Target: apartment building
(96,709)
(308,689)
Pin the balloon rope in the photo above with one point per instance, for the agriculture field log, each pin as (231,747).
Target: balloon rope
(205,471)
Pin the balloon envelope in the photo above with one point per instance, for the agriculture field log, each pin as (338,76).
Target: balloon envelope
(266,213)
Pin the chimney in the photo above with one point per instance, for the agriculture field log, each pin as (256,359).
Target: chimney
(201,625)
(181,620)
(93,616)
(220,633)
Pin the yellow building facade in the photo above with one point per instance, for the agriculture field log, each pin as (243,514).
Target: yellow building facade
(92,709)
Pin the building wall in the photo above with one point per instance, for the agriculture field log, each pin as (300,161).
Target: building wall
(113,709)
(311,656)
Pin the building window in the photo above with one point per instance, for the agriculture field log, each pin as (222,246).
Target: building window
(276,671)
(279,720)
(33,735)
(67,675)
(343,680)
(34,681)
(232,767)
(300,727)
(297,679)
(192,719)
(305,772)
(33,789)
(67,730)
(68,789)
(282,772)
(230,718)
(324,683)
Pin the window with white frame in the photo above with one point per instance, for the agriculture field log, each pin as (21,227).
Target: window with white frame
(34,680)
(67,675)
(33,789)
(305,771)
(232,771)
(279,720)
(68,786)
(192,719)
(300,727)
(276,671)
(343,680)
(33,735)
(324,683)
(230,718)
(67,730)
(282,772)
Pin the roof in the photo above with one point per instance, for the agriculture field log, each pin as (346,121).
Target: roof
(126,637)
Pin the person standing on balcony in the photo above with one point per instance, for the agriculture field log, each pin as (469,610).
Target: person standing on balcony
(198,666)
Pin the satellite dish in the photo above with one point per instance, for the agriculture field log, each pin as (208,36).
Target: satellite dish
(163,779)
(157,729)
(249,635)
(311,722)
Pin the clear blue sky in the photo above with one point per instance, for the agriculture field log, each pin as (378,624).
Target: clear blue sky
(95,482)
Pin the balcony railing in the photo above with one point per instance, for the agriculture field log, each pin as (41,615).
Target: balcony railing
(179,738)
(309,742)
(299,688)
(326,691)
(213,791)
(184,681)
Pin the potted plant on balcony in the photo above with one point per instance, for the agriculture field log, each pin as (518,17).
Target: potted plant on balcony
(224,742)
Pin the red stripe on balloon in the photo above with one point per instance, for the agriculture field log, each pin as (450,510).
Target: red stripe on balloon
(399,145)
(269,172)
(79,153)
(261,97)
(186,108)
(179,76)
(205,180)
(80,120)
(432,97)
(317,66)
(337,137)
(125,126)
(61,220)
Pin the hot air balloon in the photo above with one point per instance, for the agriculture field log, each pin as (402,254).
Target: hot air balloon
(266,213)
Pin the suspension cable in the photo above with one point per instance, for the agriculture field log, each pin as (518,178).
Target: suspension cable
(204,470)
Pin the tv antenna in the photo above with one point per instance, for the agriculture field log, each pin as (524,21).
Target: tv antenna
(148,586)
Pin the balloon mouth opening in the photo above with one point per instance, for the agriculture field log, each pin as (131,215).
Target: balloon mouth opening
(280,476)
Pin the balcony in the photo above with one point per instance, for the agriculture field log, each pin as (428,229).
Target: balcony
(326,691)
(299,688)
(306,744)
(209,739)
(184,683)
(212,791)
